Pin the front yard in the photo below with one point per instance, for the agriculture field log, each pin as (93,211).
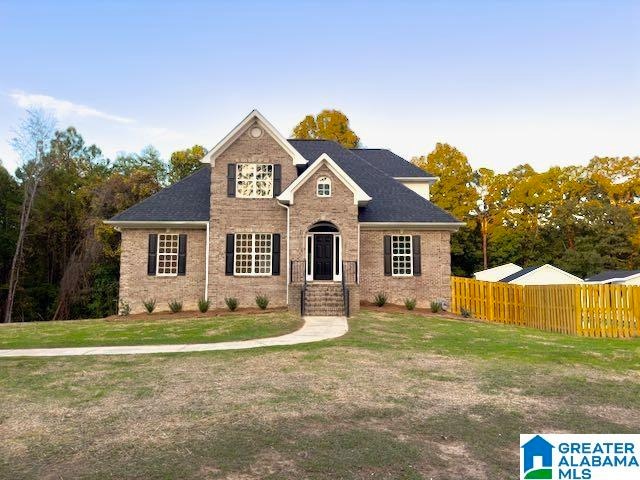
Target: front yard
(400,396)
(147,330)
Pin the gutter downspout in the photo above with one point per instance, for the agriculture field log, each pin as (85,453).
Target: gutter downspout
(359,265)
(206,266)
(287,266)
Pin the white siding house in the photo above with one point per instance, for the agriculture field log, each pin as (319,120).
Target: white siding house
(496,274)
(542,275)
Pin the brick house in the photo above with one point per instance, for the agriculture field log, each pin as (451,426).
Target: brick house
(307,223)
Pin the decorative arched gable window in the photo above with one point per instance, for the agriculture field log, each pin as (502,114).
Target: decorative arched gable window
(323,188)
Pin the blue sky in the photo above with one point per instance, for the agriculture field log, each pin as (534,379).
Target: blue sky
(506,82)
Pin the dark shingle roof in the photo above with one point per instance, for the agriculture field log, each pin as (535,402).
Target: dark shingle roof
(519,274)
(187,200)
(390,163)
(611,274)
(391,201)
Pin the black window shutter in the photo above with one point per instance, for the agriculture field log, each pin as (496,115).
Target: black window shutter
(417,258)
(228,264)
(387,255)
(231,180)
(277,180)
(182,254)
(275,255)
(152,253)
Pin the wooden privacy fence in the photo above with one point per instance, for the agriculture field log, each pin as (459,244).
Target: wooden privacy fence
(587,310)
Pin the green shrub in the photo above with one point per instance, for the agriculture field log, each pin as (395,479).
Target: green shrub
(175,306)
(232,303)
(149,305)
(410,303)
(466,313)
(262,301)
(380,299)
(436,307)
(125,308)
(203,305)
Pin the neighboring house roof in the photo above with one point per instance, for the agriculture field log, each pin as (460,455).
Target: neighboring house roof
(186,200)
(529,270)
(611,275)
(519,274)
(390,163)
(390,200)
(494,274)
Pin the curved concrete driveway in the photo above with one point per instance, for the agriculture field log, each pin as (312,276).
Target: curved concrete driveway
(314,329)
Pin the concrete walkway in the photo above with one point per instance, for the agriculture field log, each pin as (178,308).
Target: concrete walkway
(314,329)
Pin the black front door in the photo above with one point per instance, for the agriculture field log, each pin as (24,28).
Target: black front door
(323,257)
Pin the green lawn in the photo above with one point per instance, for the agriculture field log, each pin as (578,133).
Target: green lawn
(399,397)
(163,329)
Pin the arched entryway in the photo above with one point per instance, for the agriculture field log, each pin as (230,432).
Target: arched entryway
(324,252)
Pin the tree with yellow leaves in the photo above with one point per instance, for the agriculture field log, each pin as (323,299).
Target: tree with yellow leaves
(327,125)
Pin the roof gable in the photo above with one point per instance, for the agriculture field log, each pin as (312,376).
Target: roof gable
(391,201)
(529,270)
(254,117)
(360,197)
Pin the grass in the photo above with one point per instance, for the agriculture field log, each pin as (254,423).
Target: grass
(159,329)
(401,396)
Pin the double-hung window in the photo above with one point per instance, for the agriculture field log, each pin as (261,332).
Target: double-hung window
(167,254)
(254,180)
(401,256)
(253,253)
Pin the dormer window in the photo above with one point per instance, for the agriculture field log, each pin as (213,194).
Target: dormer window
(324,187)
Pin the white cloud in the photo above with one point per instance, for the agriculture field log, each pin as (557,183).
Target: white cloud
(62,108)
(112,133)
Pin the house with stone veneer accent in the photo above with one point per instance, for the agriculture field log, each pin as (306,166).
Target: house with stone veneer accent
(308,223)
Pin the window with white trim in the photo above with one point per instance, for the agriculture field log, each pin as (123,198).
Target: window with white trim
(167,262)
(254,180)
(253,253)
(324,187)
(401,256)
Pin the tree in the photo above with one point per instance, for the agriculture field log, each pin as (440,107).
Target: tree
(30,143)
(454,189)
(148,160)
(455,192)
(9,217)
(490,188)
(327,125)
(185,162)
